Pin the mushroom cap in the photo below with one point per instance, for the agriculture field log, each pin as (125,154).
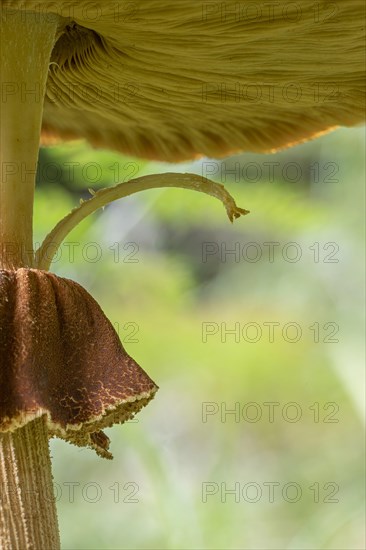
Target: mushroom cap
(61,357)
(174,80)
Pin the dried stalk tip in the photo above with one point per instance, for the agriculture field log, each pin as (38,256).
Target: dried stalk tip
(101,198)
(61,357)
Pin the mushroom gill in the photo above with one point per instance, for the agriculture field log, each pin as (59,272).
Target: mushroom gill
(175,80)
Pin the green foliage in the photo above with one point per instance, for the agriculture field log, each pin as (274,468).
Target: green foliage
(160,304)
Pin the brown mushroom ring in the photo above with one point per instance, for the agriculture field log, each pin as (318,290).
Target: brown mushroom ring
(61,357)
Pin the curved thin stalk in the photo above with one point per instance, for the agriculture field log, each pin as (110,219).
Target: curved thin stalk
(100,199)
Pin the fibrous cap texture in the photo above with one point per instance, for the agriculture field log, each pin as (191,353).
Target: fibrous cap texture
(61,357)
(173,80)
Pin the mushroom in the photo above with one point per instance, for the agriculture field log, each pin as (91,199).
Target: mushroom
(155,79)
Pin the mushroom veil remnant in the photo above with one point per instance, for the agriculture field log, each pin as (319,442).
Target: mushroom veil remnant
(159,80)
(53,362)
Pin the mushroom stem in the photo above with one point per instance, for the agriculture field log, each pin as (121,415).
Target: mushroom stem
(28,511)
(27,40)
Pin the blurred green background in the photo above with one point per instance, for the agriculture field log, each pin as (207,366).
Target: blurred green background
(286,469)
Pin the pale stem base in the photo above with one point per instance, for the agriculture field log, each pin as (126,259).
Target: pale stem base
(27,512)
